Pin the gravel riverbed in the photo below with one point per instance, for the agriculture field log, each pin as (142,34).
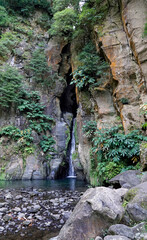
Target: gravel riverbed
(34,214)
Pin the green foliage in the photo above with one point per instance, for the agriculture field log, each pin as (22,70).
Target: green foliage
(42,73)
(63,23)
(124,101)
(26,7)
(92,69)
(8,42)
(23,137)
(34,111)
(112,151)
(89,128)
(36,121)
(59,5)
(10,85)
(92,13)
(4,19)
(44,21)
(47,144)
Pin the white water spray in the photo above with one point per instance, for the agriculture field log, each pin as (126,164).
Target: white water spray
(71,173)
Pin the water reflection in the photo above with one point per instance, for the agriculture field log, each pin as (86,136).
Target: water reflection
(63,184)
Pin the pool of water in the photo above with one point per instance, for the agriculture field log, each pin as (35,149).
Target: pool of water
(63,184)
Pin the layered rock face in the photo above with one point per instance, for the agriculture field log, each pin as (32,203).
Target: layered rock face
(121,42)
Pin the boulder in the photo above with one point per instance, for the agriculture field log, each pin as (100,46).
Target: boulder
(143,156)
(127,179)
(129,232)
(137,202)
(98,209)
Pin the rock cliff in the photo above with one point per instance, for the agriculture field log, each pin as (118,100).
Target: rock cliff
(119,40)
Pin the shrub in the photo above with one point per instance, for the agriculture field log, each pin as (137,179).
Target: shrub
(4,19)
(10,85)
(42,73)
(63,23)
(8,41)
(92,69)
(111,148)
(26,7)
(34,111)
(47,144)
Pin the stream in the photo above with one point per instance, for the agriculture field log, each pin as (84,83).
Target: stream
(37,209)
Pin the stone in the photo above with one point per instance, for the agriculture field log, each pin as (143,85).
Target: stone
(115,237)
(143,156)
(3,209)
(98,238)
(96,211)
(137,202)
(34,168)
(18,197)
(26,223)
(2,204)
(54,238)
(123,230)
(7,218)
(2,229)
(16,209)
(8,196)
(130,177)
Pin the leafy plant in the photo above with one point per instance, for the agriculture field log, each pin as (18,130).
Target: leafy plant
(92,69)
(63,23)
(8,41)
(112,151)
(34,111)
(10,85)
(26,7)
(4,18)
(47,144)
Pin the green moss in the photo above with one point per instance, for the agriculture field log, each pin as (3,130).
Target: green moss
(130,194)
(144,205)
(2,176)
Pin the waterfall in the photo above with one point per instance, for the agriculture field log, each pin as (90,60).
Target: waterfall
(71,173)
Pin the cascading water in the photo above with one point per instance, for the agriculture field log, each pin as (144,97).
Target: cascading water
(71,173)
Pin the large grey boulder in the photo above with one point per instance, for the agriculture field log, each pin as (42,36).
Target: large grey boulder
(127,179)
(137,202)
(97,210)
(129,232)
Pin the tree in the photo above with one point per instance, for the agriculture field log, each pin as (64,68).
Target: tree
(10,84)
(63,23)
(4,19)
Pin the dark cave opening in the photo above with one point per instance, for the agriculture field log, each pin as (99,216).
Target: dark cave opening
(68,101)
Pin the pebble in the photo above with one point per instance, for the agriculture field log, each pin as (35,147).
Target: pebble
(45,210)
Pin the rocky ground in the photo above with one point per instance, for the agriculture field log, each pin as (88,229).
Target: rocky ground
(36,214)
(106,213)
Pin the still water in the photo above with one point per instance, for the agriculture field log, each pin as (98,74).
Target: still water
(63,184)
